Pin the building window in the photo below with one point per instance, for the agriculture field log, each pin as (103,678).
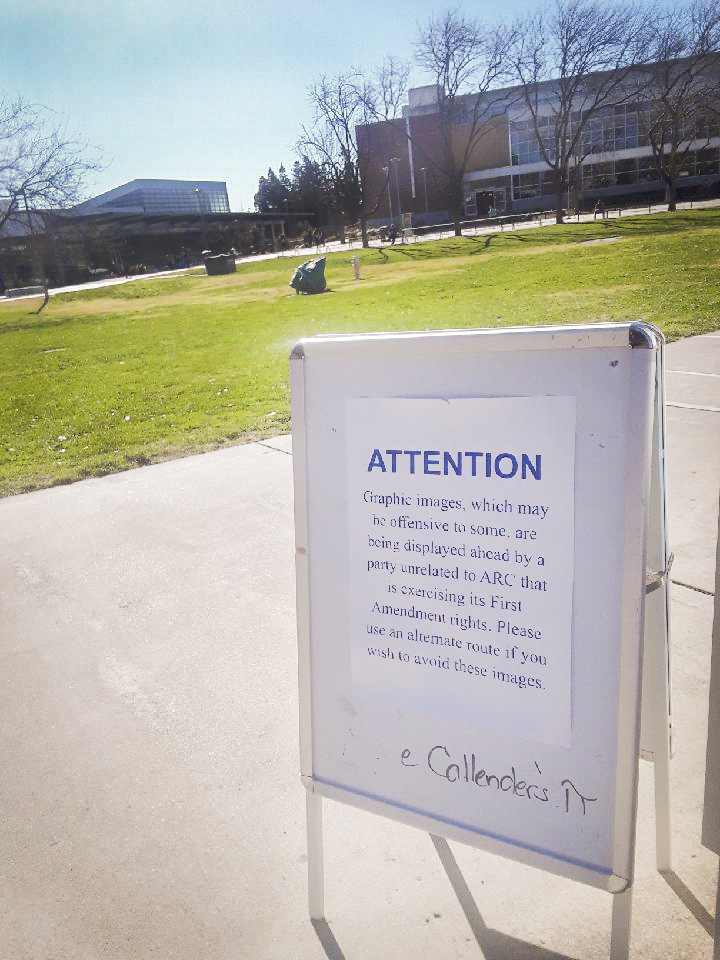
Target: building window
(612,129)
(524,144)
(647,170)
(598,175)
(625,172)
(527,185)
(706,162)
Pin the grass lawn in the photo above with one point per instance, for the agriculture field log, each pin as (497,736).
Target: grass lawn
(107,379)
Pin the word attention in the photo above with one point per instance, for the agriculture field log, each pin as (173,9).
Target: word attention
(469,462)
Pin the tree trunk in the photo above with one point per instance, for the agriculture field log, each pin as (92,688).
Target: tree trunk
(671,194)
(47,297)
(559,197)
(364,233)
(457,218)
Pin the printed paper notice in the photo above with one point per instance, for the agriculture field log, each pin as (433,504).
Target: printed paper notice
(461,523)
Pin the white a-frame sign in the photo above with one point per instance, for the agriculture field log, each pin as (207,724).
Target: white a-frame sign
(480,532)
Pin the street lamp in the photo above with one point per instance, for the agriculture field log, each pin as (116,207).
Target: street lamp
(395,161)
(386,171)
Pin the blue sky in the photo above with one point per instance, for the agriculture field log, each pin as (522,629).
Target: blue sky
(211,90)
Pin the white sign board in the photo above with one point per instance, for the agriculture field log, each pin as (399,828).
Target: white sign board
(470,527)
(462,559)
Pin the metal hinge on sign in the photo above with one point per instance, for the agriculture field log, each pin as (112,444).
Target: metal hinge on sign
(655,580)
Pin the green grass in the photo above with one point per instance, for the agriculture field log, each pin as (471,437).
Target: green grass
(111,378)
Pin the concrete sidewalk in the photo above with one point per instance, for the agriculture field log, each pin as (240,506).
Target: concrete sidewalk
(150,800)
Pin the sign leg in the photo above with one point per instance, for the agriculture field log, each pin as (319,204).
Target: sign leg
(716,950)
(316,873)
(663,846)
(621,922)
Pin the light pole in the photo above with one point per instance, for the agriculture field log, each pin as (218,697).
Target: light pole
(395,161)
(386,171)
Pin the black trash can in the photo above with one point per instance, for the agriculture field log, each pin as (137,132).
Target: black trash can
(220,263)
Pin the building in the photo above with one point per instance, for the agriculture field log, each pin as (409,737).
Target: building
(405,166)
(139,227)
(160,196)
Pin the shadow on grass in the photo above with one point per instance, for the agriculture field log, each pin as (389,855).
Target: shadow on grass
(431,250)
(647,224)
(548,235)
(497,240)
(30,322)
(644,224)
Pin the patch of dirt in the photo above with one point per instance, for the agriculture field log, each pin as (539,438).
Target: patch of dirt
(382,276)
(522,251)
(593,243)
(106,307)
(245,296)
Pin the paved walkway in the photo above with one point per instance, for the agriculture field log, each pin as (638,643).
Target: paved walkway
(150,802)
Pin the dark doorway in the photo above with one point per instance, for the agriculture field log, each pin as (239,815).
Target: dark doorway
(484,199)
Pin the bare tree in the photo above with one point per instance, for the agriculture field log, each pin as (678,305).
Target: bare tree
(680,87)
(40,165)
(465,59)
(384,92)
(341,104)
(573,60)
